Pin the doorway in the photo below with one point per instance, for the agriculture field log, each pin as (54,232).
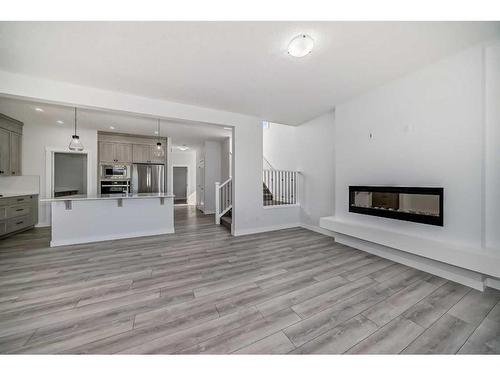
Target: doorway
(70,174)
(180,185)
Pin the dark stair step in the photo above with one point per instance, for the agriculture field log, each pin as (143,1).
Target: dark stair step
(226,221)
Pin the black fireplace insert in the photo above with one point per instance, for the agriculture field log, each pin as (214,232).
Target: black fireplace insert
(417,204)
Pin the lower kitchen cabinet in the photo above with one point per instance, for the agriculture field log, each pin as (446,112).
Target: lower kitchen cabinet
(18,214)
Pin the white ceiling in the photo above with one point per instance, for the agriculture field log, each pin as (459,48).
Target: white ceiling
(183,133)
(234,66)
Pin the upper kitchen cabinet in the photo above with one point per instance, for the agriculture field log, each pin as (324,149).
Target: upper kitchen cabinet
(11,132)
(15,154)
(141,153)
(110,152)
(123,152)
(146,154)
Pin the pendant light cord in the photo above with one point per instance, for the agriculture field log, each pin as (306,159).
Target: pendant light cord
(75,120)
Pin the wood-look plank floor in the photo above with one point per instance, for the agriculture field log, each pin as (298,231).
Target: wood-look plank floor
(203,291)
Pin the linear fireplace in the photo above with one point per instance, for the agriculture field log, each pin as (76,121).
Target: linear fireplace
(417,204)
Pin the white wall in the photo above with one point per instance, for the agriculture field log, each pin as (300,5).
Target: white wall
(36,138)
(212,157)
(187,159)
(316,162)
(492,153)
(20,184)
(269,218)
(225,165)
(280,147)
(427,130)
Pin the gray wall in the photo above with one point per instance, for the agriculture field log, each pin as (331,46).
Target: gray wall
(180,182)
(70,172)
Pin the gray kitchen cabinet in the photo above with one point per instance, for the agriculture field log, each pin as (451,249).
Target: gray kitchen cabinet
(4,152)
(106,152)
(11,132)
(146,154)
(110,152)
(141,153)
(18,214)
(15,154)
(123,152)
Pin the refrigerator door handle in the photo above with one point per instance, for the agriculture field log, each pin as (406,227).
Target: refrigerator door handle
(149,179)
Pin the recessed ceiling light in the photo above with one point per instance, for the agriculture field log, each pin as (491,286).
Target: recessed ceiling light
(60,122)
(301,46)
(183,147)
(228,128)
(38,109)
(156,131)
(112,127)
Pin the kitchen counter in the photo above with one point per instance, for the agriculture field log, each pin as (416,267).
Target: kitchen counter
(78,219)
(107,197)
(14,195)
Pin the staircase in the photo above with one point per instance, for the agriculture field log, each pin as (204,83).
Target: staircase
(279,188)
(267,196)
(227,219)
(224,203)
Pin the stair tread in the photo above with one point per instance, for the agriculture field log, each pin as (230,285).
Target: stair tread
(227,219)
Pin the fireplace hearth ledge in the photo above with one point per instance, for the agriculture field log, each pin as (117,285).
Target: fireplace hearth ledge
(480,260)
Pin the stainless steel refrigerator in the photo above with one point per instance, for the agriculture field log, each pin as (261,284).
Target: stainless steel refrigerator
(148,178)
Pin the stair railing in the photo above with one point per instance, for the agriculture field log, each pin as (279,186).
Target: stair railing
(268,164)
(280,188)
(223,198)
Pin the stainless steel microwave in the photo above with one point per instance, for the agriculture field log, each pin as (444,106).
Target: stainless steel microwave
(115,171)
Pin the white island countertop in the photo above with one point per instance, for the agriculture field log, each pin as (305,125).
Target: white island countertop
(95,197)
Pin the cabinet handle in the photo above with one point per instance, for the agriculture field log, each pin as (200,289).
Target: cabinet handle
(19,222)
(20,199)
(20,209)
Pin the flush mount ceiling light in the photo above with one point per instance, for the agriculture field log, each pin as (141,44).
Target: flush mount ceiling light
(112,127)
(75,144)
(38,109)
(159,151)
(301,46)
(183,147)
(60,122)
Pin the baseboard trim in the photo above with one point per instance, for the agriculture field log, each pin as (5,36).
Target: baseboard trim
(85,240)
(492,283)
(459,275)
(244,232)
(317,229)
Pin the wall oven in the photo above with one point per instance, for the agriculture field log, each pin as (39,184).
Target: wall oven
(115,187)
(115,171)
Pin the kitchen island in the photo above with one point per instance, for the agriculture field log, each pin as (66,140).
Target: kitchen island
(80,219)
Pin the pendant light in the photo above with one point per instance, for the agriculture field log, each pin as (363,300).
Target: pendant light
(75,144)
(159,150)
